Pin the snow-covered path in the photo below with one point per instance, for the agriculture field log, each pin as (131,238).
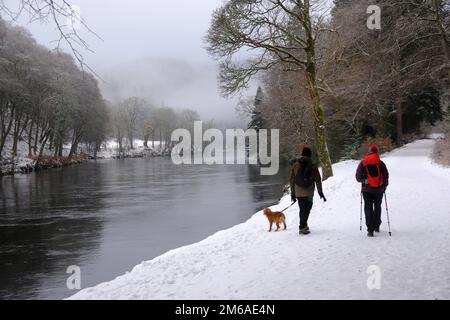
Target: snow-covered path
(247,262)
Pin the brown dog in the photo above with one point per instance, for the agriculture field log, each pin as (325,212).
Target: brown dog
(275,217)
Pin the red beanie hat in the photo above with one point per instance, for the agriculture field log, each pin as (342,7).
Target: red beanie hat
(374,149)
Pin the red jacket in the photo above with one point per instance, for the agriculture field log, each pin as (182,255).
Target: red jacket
(361,177)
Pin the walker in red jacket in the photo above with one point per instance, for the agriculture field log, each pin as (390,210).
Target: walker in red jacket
(374,176)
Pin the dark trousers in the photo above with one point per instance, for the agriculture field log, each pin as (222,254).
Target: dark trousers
(372,208)
(305,205)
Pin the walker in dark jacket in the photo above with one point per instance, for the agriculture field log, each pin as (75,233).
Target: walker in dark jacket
(305,195)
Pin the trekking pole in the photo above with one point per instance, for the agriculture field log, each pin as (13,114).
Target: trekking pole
(387,212)
(360,225)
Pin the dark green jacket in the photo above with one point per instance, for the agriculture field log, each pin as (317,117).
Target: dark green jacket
(305,192)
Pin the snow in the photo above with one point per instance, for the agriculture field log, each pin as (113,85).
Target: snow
(247,262)
(110,150)
(113,144)
(8,165)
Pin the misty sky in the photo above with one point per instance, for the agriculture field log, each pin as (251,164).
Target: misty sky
(153,49)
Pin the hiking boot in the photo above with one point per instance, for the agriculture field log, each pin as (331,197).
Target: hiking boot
(377,230)
(370,234)
(305,231)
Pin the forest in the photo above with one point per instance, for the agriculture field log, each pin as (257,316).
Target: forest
(49,103)
(331,81)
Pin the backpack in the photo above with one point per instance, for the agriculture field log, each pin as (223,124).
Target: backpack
(372,164)
(304,177)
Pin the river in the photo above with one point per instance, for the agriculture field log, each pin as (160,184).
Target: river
(107,216)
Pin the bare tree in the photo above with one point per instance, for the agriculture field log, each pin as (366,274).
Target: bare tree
(187,117)
(118,125)
(279,32)
(133,109)
(289,92)
(64,17)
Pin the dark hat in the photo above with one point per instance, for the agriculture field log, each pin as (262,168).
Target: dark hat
(306,152)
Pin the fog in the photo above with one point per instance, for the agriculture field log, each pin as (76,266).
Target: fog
(153,49)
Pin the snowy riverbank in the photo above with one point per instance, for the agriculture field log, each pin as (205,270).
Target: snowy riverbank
(22,164)
(247,262)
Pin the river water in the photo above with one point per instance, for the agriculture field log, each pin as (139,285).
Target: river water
(107,216)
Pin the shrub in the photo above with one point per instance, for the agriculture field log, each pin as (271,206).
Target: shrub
(384,145)
(441,152)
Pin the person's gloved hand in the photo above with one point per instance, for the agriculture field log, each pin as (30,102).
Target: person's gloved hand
(322,196)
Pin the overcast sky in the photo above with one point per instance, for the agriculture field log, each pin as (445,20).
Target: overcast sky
(152,49)
(144,38)
(142,28)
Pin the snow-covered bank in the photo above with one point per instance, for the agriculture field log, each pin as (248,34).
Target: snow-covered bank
(110,150)
(247,262)
(22,164)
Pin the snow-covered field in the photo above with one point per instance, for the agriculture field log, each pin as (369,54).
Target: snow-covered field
(247,262)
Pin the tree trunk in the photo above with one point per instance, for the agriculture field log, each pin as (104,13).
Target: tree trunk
(6,129)
(131,140)
(317,109)
(119,141)
(30,135)
(74,146)
(55,154)
(73,149)
(52,139)
(15,139)
(96,148)
(320,130)
(60,151)
(45,138)
(2,145)
(399,120)
(16,132)
(36,137)
(146,137)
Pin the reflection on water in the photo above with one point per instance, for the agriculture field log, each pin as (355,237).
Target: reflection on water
(108,216)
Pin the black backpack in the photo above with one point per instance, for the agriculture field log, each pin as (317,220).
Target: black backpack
(305,177)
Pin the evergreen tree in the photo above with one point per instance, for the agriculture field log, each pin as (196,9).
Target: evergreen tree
(257,120)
